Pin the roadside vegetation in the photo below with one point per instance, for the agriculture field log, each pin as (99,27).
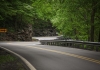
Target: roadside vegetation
(9,62)
(79,19)
(76,19)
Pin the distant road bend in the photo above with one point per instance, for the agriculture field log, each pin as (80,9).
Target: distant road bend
(44,57)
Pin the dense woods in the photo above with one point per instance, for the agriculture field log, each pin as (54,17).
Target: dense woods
(79,19)
(43,28)
(13,12)
(15,16)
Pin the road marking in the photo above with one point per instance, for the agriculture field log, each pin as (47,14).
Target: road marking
(23,44)
(69,54)
(30,66)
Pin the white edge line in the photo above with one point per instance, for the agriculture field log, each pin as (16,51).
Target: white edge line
(31,67)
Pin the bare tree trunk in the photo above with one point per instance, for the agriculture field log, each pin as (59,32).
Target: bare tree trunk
(92,22)
(99,36)
(88,35)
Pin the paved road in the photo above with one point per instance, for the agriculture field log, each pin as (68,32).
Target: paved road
(54,57)
(46,38)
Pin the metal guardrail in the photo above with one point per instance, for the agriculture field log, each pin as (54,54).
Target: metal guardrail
(75,44)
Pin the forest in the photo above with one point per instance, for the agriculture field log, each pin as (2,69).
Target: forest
(77,19)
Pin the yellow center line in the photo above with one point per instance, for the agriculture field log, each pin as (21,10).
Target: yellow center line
(73,55)
(65,53)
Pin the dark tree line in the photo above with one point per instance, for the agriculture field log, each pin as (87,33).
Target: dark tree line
(79,19)
(14,14)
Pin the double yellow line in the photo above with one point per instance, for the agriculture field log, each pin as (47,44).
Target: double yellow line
(69,54)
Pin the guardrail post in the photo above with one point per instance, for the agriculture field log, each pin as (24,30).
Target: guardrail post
(57,43)
(82,46)
(76,44)
(69,44)
(65,44)
(47,43)
(54,43)
(92,47)
(72,44)
(43,43)
(97,48)
(50,43)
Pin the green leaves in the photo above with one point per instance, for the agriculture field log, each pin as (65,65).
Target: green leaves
(43,8)
(71,17)
(21,9)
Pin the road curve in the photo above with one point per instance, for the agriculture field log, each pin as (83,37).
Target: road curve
(44,57)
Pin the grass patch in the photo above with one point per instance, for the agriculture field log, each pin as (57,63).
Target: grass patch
(10,62)
(6,58)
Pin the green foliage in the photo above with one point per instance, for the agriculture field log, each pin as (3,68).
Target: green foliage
(15,13)
(41,24)
(79,19)
(72,17)
(6,58)
(43,8)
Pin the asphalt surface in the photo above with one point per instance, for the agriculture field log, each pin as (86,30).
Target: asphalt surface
(44,57)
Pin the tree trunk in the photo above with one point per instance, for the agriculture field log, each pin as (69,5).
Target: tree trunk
(99,36)
(92,22)
(92,33)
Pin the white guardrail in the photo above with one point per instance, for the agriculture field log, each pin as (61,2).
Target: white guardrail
(75,44)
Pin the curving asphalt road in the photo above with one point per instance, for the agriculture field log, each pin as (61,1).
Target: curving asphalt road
(44,57)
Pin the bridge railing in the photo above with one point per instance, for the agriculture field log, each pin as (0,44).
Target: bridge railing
(75,44)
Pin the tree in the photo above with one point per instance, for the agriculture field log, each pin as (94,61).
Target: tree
(76,18)
(13,12)
(16,16)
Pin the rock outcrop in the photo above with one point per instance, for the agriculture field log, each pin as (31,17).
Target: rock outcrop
(24,34)
(43,28)
(44,32)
